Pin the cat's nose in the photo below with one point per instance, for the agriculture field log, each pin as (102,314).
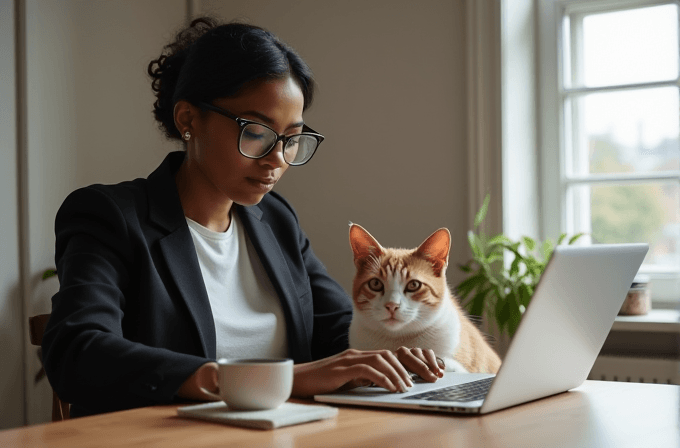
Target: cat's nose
(392,307)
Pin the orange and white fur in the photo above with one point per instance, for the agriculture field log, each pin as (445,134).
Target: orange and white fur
(401,298)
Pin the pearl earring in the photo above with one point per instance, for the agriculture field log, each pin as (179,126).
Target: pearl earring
(187,135)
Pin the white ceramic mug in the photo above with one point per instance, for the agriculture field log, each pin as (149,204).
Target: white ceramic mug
(254,383)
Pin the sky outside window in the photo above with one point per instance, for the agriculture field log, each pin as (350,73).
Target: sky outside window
(631,47)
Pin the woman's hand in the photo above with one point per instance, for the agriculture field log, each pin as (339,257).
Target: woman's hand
(424,363)
(354,368)
(205,377)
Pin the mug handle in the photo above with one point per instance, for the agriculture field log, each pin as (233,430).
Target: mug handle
(211,394)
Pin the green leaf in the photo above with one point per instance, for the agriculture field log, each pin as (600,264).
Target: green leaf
(534,269)
(513,320)
(529,243)
(511,312)
(514,248)
(476,305)
(466,286)
(481,214)
(561,238)
(531,264)
(502,312)
(479,241)
(472,240)
(547,249)
(49,273)
(494,281)
(499,239)
(494,257)
(465,267)
(514,267)
(575,238)
(499,290)
(525,293)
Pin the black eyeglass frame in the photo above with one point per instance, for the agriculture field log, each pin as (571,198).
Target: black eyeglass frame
(243,122)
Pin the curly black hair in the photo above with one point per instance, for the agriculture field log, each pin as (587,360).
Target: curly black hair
(209,60)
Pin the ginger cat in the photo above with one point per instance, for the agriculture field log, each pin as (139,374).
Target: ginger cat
(401,298)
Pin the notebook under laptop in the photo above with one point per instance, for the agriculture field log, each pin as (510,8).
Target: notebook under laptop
(554,348)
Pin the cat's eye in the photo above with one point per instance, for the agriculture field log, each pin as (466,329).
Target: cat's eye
(375,284)
(413,286)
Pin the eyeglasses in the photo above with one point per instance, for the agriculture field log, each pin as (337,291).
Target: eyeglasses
(256,140)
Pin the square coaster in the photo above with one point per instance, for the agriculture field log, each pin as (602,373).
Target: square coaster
(285,415)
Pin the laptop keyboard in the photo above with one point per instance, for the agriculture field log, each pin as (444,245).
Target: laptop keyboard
(475,390)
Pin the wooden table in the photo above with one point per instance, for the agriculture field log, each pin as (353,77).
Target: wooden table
(597,414)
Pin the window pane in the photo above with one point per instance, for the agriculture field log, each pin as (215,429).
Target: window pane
(635,213)
(626,131)
(631,46)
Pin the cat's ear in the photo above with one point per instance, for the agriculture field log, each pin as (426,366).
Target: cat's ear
(435,249)
(363,244)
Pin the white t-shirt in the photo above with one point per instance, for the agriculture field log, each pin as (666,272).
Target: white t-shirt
(249,320)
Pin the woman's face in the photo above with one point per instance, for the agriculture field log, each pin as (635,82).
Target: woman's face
(213,153)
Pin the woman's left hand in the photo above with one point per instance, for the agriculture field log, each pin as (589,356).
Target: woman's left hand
(353,368)
(422,362)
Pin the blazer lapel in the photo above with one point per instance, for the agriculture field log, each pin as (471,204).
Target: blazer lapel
(269,251)
(180,255)
(177,248)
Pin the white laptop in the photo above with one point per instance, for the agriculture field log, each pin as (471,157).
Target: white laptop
(558,339)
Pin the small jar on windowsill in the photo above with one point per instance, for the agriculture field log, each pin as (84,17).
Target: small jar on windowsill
(638,301)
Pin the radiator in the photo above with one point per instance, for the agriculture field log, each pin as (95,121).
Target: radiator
(636,369)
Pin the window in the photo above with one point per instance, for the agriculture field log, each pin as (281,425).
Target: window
(616,175)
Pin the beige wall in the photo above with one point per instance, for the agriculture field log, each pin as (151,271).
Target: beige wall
(391,103)
(11,330)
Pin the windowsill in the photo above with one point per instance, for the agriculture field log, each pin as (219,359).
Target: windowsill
(657,320)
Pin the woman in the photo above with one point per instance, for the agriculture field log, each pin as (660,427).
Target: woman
(161,276)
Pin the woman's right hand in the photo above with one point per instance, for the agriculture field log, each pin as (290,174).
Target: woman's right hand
(354,368)
(204,378)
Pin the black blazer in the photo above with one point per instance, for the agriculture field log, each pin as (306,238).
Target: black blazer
(132,320)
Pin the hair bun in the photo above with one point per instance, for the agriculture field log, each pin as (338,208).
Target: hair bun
(165,71)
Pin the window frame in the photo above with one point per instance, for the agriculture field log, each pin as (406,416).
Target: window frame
(557,214)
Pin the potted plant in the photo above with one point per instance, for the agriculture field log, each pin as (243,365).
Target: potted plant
(500,289)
